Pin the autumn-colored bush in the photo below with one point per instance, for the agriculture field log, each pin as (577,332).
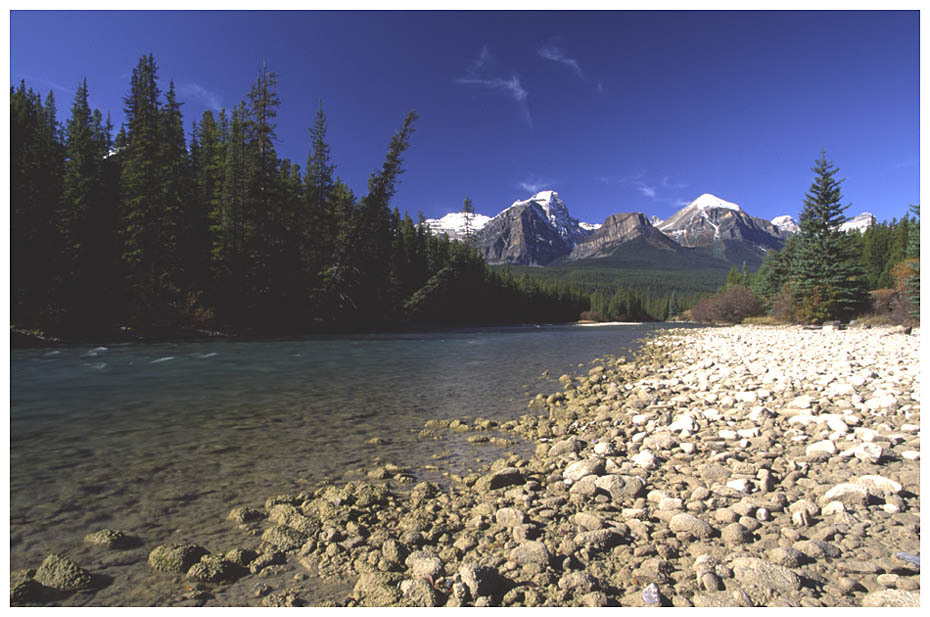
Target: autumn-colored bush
(591,316)
(890,306)
(732,305)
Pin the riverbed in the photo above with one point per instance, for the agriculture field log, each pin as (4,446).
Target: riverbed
(160,440)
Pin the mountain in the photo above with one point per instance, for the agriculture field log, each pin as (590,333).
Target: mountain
(860,222)
(453,224)
(619,229)
(786,225)
(722,229)
(534,231)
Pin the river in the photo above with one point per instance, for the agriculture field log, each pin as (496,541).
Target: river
(162,440)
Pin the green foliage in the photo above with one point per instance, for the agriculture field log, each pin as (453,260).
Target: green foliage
(36,169)
(913,252)
(825,272)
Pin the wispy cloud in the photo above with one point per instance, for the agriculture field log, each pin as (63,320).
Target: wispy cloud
(477,75)
(553,51)
(646,190)
(534,184)
(198,93)
(660,191)
(53,85)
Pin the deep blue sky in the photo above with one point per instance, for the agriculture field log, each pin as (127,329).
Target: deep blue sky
(618,111)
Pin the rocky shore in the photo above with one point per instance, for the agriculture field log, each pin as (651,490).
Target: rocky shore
(739,466)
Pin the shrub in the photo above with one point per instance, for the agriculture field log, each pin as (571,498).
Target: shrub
(591,316)
(892,306)
(784,305)
(732,305)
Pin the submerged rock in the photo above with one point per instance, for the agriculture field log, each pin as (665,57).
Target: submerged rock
(176,558)
(63,574)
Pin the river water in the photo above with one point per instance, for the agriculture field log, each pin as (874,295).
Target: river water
(162,440)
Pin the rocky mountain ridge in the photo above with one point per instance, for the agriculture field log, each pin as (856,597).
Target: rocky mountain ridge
(539,230)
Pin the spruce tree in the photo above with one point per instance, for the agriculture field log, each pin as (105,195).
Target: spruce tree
(86,218)
(468,210)
(319,223)
(149,218)
(825,273)
(36,167)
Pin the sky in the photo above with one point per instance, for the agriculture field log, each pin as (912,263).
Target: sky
(618,111)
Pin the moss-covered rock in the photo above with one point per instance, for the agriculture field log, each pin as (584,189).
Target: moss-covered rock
(177,558)
(63,574)
(213,569)
(111,539)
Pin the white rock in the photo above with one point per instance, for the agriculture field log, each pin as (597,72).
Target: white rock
(603,448)
(834,507)
(640,418)
(840,389)
(885,401)
(868,451)
(879,483)
(865,434)
(645,459)
(825,446)
(911,455)
(748,433)
(727,434)
(688,448)
(683,423)
(801,402)
(836,424)
(848,493)
(740,484)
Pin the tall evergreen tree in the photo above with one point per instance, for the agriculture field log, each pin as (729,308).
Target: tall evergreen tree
(36,167)
(207,155)
(87,218)
(177,182)
(232,227)
(468,210)
(149,222)
(319,228)
(825,272)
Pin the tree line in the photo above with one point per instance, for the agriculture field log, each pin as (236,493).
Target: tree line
(149,231)
(823,273)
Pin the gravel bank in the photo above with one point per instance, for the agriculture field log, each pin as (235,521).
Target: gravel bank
(741,466)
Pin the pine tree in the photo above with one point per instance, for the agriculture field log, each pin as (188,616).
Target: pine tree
(36,167)
(207,162)
(149,218)
(87,219)
(468,210)
(825,272)
(320,225)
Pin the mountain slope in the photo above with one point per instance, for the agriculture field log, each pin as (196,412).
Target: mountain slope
(617,230)
(722,230)
(535,231)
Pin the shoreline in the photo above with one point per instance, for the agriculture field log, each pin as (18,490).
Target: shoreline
(720,467)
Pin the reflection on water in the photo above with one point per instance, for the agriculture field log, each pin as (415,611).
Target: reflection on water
(161,440)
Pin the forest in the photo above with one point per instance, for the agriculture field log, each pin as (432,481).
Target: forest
(824,274)
(151,231)
(148,233)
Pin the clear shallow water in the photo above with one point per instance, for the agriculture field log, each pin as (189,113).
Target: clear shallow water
(161,440)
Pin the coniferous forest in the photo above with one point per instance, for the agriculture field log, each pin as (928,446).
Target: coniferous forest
(150,233)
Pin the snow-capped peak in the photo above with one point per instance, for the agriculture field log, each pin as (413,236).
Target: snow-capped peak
(860,222)
(786,223)
(712,201)
(454,224)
